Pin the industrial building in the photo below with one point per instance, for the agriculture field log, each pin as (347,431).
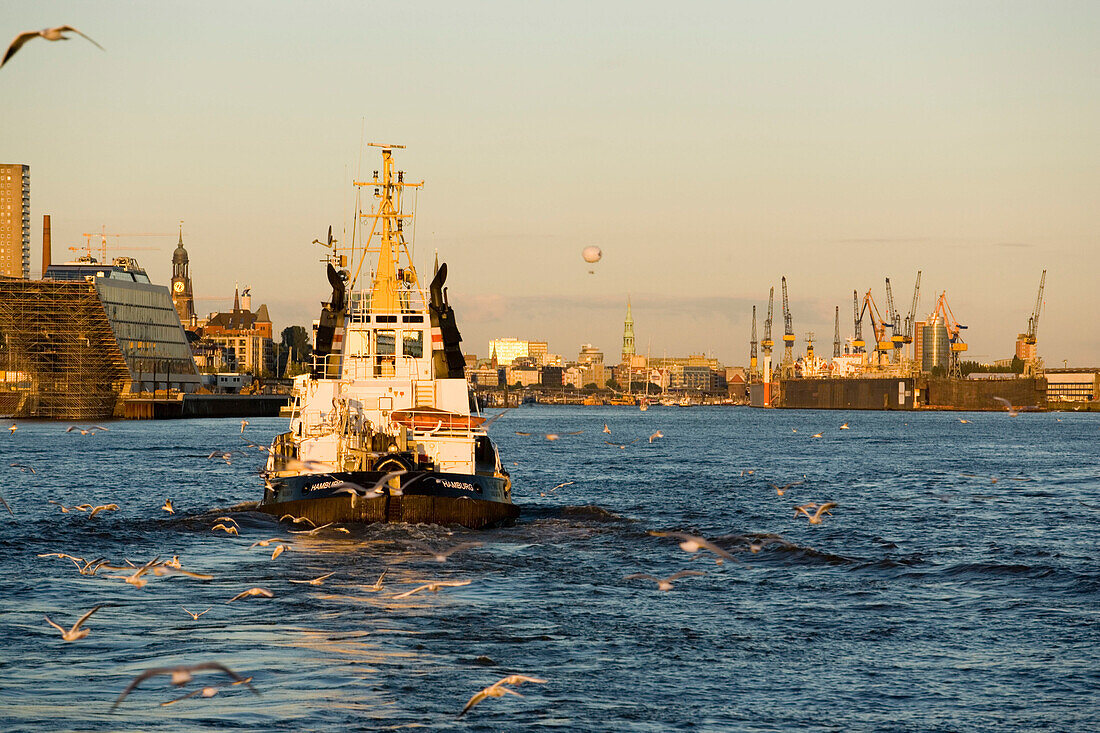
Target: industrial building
(15,220)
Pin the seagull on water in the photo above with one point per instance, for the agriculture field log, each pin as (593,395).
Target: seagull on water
(75,632)
(691,543)
(663,583)
(499,689)
(181,676)
(50,34)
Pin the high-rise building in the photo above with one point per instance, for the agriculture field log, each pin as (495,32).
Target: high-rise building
(628,335)
(182,296)
(15,220)
(507,350)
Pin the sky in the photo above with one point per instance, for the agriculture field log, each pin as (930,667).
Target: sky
(707,148)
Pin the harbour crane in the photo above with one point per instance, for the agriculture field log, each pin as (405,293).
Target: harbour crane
(857,343)
(752,347)
(954,338)
(836,334)
(767,343)
(908,335)
(897,338)
(103,234)
(1031,338)
(878,326)
(788,331)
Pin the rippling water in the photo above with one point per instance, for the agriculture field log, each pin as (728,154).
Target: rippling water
(955,587)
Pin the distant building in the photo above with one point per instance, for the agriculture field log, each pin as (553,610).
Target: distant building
(1024,350)
(590,355)
(483,376)
(524,376)
(182,296)
(15,220)
(507,350)
(1072,385)
(628,335)
(245,334)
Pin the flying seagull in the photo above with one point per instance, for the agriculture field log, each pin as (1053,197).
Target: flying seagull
(75,632)
(50,34)
(181,676)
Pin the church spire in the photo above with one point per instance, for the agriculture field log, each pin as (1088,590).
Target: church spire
(628,333)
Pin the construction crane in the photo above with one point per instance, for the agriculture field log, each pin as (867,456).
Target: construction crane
(788,331)
(908,335)
(954,338)
(1031,338)
(878,326)
(897,338)
(836,334)
(103,234)
(752,347)
(857,343)
(767,343)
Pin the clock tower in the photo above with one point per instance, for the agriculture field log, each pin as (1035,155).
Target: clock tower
(181,285)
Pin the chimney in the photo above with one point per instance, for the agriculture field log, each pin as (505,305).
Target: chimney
(246,299)
(47,245)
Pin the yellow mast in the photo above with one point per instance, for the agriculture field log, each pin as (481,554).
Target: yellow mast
(386,287)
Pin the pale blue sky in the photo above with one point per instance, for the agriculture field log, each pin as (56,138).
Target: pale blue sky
(707,148)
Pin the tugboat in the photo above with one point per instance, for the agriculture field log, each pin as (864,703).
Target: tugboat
(381,429)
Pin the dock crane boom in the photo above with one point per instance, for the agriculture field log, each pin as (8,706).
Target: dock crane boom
(878,327)
(836,333)
(857,317)
(767,343)
(752,346)
(788,331)
(1032,335)
(954,337)
(897,337)
(909,319)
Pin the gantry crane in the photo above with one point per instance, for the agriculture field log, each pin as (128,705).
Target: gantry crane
(878,326)
(954,338)
(1031,338)
(908,335)
(767,343)
(103,234)
(858,343)
(788,331)
(752,347)
(897,337)
(836,334)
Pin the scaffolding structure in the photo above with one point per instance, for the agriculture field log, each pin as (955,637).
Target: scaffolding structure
(59,358)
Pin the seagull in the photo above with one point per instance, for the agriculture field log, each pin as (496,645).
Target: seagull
(551,491)
(433,586)
(50,34)
(780,490)
(691,543)
(181,676)
(297,520)
(606,429)
(622,446)
(244,424)
(90,567)
(844,426)
(523,434)
(499,689)
(208,691)
(815,518)
(67,509)
(377,586)
(664,583)
(85,431)
(316,581)
(380,487)
(1008,406)
(656,435)
(63,556)
(964,422)
(136,579)
(5,503)
(227,530)
(252,592)
(194,616)
(279,549)
(23,467)
(231,520)
(265,543)
(315,530)
(224,456)
(103,508)
(816,435)
(75,632)
(168,506)
(442,555)
(14,427)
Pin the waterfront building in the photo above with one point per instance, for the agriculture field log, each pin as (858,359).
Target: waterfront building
(182,296)
(245,334)
(935,345)
(507,350)
(15,220)
(523,376)
(589,355)
(1072,385)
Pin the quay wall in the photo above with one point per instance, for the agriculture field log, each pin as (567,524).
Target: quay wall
(194,406)
(910,393)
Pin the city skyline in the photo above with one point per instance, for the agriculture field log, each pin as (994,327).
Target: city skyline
(888,140)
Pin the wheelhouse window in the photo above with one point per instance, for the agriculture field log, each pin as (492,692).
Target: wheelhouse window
(413,343)
(385,342)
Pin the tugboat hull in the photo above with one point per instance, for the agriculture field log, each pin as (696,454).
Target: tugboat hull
(424,498)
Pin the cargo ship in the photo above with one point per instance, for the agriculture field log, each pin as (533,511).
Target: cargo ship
(381,429)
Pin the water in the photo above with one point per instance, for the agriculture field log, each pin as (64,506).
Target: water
(930,600)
